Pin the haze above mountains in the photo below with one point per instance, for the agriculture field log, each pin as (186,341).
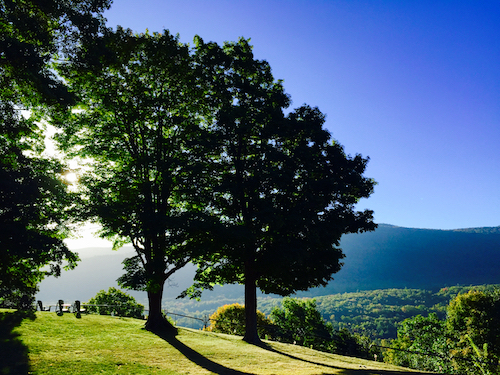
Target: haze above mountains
(389,257)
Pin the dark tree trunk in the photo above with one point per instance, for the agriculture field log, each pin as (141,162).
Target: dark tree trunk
(251,334)
(156,321)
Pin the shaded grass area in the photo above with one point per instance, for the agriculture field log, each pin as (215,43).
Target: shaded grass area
(97,344)
(13,352)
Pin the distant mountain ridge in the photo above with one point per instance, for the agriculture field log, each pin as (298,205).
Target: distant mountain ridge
(398,257)
(389,257)
(481,230)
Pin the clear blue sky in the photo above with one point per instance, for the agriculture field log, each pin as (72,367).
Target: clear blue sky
(414,85)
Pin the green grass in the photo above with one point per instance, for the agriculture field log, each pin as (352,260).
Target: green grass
(51,344)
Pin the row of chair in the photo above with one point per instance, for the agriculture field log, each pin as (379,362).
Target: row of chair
(62,307)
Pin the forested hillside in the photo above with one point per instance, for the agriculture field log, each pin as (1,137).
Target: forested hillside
(395,257)
(369,312)
(389,257)
(375,313)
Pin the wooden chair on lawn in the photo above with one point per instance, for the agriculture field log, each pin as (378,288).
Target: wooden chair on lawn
(42,307)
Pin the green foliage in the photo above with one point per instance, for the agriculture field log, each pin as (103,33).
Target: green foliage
(424,335)
(231,319)
(355,345)
(377,313)
(33,220)
(285,191)
(22,298)
(467,342)
(114,301)
(480,359)
(300,322)
(32,34)
(474,322)
(34,204)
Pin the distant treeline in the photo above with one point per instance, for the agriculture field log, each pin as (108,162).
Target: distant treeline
(375,313)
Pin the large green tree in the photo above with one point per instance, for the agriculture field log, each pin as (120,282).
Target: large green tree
(422,344)
(284,189)
(139,121)
(33,200)
(473,322)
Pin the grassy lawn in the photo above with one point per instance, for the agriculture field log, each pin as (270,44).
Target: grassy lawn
(51,344)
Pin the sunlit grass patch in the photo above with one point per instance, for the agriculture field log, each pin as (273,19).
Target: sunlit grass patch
(98,344)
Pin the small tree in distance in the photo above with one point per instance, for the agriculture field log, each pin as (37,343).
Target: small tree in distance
(300,322)
(115,301)
(425,335)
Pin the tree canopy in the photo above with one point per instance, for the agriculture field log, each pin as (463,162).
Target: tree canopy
(466,342)
(34,33)
(474,323)
(138,121)
(285,190)
(33,199)
(193,159)
(300,322)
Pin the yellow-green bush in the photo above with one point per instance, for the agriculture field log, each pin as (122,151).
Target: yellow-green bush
(231,319)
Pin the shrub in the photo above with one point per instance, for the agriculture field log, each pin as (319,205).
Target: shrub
(19,299)
(231,319)
(115,301)
(300,322)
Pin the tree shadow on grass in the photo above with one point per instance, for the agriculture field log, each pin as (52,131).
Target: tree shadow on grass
(196,357)
(363,370)
(14,354)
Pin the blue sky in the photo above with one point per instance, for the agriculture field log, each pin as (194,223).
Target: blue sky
(414,85)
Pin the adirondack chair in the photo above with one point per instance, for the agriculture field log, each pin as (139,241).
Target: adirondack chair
(78,310)
(41,307)
(62,307)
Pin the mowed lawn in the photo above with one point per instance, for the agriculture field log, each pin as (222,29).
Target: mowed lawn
(51,344)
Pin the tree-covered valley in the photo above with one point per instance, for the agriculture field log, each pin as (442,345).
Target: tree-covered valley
(374,313)
(389,281)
